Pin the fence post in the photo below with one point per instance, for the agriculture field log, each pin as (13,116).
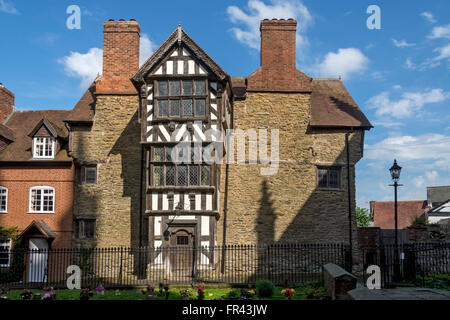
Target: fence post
(120,269)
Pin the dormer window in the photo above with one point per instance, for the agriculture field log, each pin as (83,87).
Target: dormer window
(44,147)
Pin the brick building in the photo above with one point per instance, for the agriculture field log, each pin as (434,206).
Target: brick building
(36,175)
(131,191)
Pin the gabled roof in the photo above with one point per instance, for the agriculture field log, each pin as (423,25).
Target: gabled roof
(178,36)
(41,227)
(22,123)
(84,110)
(333,106)
(382,213)
(48,126)
(442,210)
(7,133)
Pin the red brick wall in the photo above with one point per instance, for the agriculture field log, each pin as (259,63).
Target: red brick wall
(278,72)
(19,180)
(120,56)
(6,103)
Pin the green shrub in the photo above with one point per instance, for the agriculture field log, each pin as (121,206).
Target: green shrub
(433,280)
(264,288)
(233,295)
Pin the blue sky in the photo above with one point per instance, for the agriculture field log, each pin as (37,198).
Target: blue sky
(399,74)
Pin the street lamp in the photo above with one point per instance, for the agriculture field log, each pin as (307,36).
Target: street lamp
(395,171)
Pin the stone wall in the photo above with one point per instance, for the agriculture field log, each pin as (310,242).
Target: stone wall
(113,143)
(287,206)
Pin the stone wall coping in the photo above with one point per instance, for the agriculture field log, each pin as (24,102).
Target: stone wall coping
(336,271)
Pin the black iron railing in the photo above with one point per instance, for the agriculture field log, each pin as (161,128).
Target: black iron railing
(412,259)
(126,267)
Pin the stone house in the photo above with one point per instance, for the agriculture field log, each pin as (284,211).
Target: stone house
(136,134)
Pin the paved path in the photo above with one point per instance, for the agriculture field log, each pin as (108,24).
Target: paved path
(399,293)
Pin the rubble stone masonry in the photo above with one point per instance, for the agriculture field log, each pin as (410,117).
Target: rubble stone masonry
(287,206)
(113,143)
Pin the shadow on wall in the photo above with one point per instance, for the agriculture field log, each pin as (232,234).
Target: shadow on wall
(323,218)
(129,147)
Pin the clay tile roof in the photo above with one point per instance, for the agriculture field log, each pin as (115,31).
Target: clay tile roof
(84,109)
(239,87)
(382,213)
(24,122)
(333,106)
(7,133)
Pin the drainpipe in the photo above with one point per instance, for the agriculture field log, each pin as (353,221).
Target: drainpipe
(141,227)
(225,205)
(350,238)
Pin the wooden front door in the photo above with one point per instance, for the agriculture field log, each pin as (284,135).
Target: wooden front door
(182,255)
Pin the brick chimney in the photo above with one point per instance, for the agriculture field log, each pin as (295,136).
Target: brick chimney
(278,72)
(6,103)
(120,57)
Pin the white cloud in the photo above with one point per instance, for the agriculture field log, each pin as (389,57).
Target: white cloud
(444,53)
(440,32)
(402,43)
(83,65)
(387,123)
(409,103)
(257,10)
(8,7)
(344,63)
(147,47)
(429,16)
(88,65)
(430,146)
(409,64)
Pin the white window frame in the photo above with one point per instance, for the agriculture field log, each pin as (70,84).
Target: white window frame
(9,245)
(42,188)
(6,199)
(35,149)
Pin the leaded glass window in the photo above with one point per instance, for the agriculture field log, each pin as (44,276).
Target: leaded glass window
(163,108)
(182,175)
(187,107)
(158,175)
(175,89)
(170,175)
(174,108)
(200,107)
(158,154)
(187,87)
(174,98)
(193,175)
(206,175)
(200,87)
(163,89)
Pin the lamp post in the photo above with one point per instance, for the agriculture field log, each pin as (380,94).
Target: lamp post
(395,174)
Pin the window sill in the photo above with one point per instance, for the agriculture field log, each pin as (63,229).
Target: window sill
(41,212)
(180,188)
(330,189)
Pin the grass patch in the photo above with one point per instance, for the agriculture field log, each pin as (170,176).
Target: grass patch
(302,291)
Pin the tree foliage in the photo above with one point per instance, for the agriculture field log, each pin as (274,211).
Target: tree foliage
(362,217)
